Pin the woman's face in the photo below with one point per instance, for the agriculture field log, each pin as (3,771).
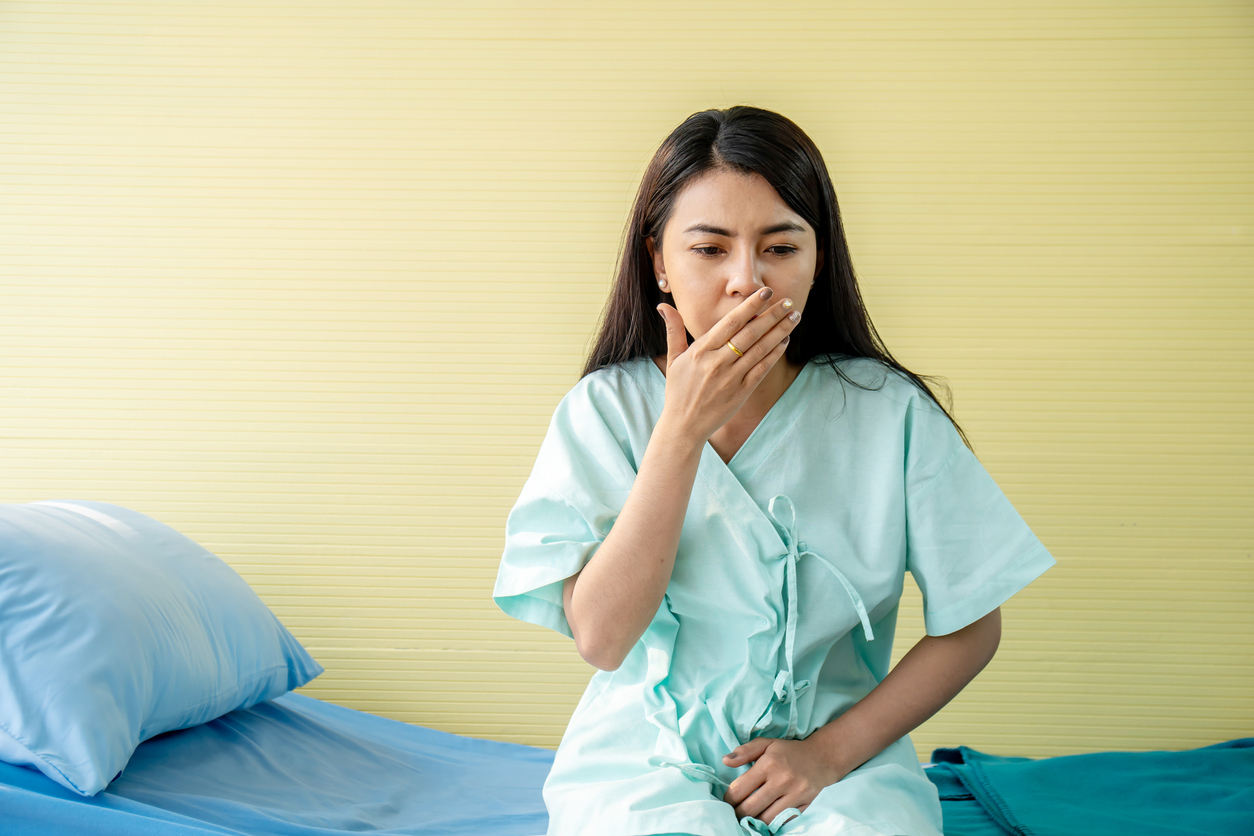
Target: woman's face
(730,235)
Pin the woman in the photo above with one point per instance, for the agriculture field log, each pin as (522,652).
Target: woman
(723,526)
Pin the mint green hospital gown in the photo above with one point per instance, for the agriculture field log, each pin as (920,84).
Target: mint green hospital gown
(781,608)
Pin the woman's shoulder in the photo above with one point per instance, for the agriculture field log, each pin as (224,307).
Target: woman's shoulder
(608,407)
(614,383)
(615,394)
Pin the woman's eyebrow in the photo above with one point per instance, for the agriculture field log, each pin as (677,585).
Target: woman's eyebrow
(787,226)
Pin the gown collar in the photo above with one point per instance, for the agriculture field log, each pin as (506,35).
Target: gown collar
(746,459)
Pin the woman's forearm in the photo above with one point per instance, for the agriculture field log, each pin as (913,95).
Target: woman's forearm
(611,602)
(927,677)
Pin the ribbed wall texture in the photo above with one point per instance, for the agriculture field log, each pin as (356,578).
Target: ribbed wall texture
(305,280)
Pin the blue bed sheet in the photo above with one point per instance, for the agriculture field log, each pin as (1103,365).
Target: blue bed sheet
(1208,791)
(295,766)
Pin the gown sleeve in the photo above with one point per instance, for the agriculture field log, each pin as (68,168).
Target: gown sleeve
(967,547)
(579,483)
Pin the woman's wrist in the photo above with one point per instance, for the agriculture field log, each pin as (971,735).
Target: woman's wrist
(673,431)
(831,743)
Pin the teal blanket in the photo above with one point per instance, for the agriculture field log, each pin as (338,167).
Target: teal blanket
(1207,791)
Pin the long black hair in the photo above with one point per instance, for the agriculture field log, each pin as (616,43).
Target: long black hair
(745,140)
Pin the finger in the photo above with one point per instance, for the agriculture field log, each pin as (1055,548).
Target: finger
(744,786)
(774,810)
(768,327)
(676,338)
(748,752)
(761,803)
(759,369)
(727,327)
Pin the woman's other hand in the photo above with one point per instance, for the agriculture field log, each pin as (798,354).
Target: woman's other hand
(785,773)
(706,382)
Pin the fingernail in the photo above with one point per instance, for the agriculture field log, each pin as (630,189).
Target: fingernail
(795,316)
(787,304)
(765,293)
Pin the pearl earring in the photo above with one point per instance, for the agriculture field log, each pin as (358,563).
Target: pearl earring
(661,283)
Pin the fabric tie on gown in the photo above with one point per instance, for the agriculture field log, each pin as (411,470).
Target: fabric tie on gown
(786,688)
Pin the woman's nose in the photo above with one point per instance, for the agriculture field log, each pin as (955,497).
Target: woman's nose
(745,274)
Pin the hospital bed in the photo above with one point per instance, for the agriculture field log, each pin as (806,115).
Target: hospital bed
(144,689)
(297,766)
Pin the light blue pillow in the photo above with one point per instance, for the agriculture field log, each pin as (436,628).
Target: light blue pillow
(115,628)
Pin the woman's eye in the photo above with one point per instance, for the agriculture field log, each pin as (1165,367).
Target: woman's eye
(783,249)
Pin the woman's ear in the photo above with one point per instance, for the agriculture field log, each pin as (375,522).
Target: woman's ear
(818,266)
(659,269)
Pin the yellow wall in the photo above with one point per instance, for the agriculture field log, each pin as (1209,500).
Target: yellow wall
(305,280)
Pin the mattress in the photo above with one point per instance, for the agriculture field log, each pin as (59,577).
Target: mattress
(295,765)
(298,766)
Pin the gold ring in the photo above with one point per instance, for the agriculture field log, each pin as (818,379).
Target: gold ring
(739,353)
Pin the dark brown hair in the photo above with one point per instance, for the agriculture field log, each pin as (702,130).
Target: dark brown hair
(746,140)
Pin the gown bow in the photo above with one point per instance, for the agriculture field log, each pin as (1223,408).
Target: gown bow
(786,688)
